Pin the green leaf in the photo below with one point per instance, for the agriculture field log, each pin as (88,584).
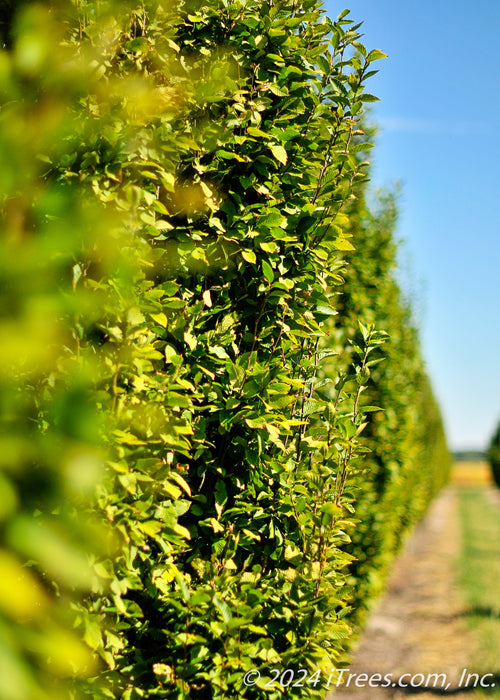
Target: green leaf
(229,155)
(150,527)
(171,489)
(343,244)
(223,608)
(273,219)
(218,351)
(160,318)
(281,401)
(324,64)
(326,310)
(249,256)
(268,246)
(268,271)
(253,131)
(138,44)
(375,55)
(279,153)
(181,481)
(276,58)
(171,354)
(279,90)
(127,438)
(93,635)
(182,531)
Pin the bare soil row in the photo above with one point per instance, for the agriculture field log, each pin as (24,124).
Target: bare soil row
(419,626)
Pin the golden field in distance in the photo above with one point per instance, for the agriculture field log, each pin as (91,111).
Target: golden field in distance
(471,473)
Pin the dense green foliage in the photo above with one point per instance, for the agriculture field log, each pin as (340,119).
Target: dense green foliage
(493,456)
(183,389)
(408,460)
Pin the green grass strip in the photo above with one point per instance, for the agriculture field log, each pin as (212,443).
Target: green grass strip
(479,578)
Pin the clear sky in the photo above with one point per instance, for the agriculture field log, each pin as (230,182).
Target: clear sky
(439,135)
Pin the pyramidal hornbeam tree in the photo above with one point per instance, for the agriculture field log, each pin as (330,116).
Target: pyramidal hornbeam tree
(181,429)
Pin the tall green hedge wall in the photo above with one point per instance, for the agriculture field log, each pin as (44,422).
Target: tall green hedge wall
(408,462)
(210,444)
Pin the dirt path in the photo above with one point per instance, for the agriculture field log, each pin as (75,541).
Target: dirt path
(418,627)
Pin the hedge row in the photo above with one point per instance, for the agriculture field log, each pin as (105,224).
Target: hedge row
(408,462)
(187,361)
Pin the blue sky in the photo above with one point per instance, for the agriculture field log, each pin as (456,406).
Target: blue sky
(439,135)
